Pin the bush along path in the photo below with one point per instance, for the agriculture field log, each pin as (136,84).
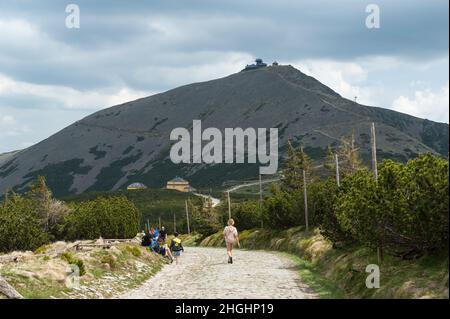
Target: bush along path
(205,273)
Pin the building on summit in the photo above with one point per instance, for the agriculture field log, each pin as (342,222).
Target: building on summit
(259,64)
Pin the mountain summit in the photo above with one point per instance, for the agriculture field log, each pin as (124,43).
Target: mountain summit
(130,142)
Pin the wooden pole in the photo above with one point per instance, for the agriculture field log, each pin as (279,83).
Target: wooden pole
(174,223)
(260,202)
(187,218)
(5,201)
(229,205)
(305,194)
(352,152)
(374,151)
(338,182)
(373,143)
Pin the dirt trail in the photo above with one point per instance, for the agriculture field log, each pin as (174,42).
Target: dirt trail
(204,273)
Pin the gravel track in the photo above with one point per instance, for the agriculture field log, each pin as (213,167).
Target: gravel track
(205,273)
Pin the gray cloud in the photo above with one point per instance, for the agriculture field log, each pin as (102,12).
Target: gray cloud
(117,39)
(152,46)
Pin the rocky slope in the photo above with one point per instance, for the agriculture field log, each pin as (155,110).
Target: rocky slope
(130,142)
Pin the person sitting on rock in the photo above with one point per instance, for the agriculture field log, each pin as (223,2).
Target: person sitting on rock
(163,234)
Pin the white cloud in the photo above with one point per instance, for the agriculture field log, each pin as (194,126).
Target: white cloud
(346,78)
(66,97)
(210,65)
(429,104)
(11,30)
(9,126)
(25,144)
(7,120)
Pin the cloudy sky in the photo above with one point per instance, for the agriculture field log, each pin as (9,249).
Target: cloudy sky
(51,76)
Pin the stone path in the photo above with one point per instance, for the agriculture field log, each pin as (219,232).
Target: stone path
(205,273)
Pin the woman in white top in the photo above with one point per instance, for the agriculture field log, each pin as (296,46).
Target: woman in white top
(230,235)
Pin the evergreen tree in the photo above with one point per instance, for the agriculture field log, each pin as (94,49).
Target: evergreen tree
(330,162)
(297,162)
(41,195)
(19,225)
(348,154)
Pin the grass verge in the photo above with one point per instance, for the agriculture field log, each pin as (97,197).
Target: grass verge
(322,286)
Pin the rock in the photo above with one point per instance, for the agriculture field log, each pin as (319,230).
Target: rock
(106,266)
(88,277)
(114,250)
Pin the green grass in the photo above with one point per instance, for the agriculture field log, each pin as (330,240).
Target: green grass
(36,288)
(322,286)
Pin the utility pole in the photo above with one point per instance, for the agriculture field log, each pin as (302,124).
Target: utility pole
(187,218)
(229,204)
(336,158)
(260,201)
(305,194)
(374,151)
(6,198)
(352,152)
(373,143)
(174,223)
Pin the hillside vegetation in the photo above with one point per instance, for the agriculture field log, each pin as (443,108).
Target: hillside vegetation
(152,204)
(36,218)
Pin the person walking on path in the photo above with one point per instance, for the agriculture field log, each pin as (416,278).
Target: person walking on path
(230,234)
(176,247)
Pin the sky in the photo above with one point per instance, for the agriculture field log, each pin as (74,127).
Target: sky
(52,75)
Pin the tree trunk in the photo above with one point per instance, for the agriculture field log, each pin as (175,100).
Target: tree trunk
(8,290)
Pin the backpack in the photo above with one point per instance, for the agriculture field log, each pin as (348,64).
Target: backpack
(146,240)
(176,244)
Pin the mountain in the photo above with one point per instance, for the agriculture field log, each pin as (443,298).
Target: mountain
(130,142)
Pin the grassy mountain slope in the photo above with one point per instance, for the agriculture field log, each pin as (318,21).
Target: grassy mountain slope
(130,142)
